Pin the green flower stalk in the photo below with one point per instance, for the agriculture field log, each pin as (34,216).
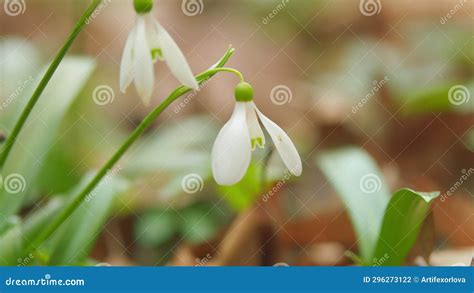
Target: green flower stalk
(141,128)
(11,138)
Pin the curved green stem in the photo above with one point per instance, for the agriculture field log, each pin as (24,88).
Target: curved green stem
(227,69)
(11,138)
(147,121)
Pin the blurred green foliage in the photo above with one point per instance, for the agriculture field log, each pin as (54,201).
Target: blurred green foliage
(386,226)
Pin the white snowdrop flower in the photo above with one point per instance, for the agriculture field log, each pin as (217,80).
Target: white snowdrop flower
(148,42)
(235,142)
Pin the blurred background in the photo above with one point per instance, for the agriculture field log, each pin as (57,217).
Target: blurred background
(390,79)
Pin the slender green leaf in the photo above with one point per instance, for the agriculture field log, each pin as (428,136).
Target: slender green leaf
(402,222)
(359,182)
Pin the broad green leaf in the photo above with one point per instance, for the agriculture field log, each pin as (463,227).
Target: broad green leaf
(19,61)
(58,176)
(41,130)
(74,240)
(402,222)
(359,183)
(156,227)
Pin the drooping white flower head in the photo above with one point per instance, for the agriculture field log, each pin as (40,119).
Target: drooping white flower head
(235,142)
(148,42)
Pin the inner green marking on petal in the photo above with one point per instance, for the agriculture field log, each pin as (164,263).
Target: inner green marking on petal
(156,53)
(258,141)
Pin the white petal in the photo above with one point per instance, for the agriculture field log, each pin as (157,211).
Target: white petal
(143,64)
(283,144)
(256,134)
(175,58)
(231,152)
(152,37)
(126,66)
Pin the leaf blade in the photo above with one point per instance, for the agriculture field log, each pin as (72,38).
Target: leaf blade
(402,222)
(348,169)
(40,131)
